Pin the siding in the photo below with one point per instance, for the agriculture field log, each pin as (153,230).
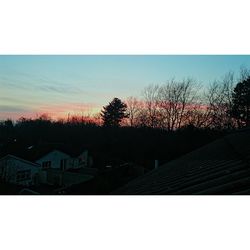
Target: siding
(10,165)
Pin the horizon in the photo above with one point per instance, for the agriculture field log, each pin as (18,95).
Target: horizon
(59,85)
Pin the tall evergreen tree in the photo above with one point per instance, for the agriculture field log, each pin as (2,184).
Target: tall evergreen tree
(114,113)
(241,103)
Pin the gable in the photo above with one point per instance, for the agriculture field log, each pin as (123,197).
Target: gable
(55,154)
(17,159)
(83,154)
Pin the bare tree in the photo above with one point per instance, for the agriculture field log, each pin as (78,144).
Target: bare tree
(151,106)
(219,101)
(142,118)
(133,108)
(197,115)
(175,99)
(244,74)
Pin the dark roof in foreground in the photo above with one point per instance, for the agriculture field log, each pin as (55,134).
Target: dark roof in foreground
(221,167)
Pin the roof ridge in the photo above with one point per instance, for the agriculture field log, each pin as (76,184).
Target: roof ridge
(20,159)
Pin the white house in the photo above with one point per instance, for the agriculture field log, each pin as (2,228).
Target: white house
(54,163)
(57,159)
(18,171)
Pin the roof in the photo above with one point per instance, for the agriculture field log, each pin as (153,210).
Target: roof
(221,167)
(19,159)
(35,152)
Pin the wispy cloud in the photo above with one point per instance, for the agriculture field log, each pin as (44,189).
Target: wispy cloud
(7,108)
(21,81)
(61,89)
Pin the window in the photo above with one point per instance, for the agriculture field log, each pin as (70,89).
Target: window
(46,164)
(23,175)
(63,164)
(82,160)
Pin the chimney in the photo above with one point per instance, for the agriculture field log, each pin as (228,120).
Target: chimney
(156,164)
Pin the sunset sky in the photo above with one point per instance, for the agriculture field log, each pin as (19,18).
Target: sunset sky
(58,85)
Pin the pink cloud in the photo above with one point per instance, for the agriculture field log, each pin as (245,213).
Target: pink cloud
(55,111)
(62,110)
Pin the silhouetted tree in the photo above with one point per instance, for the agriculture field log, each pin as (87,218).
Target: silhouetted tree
(219,102)
(114,113)
(175,99)
(241,103)
(150,114)
(9,124)
(133,108)
(244,73)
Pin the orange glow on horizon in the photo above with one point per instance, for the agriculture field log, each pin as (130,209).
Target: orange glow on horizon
(57,111)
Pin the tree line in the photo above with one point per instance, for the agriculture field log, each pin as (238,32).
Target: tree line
(225,104)
(176,104)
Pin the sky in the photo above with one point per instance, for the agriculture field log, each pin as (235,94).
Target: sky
(62,85)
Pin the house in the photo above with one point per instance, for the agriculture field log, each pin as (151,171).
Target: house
(220,167)
(58,159)
(18,171)
(47,164)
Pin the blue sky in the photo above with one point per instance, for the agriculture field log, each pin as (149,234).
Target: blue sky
(59,85)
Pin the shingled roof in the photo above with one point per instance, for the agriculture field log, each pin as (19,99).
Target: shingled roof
(221,167)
